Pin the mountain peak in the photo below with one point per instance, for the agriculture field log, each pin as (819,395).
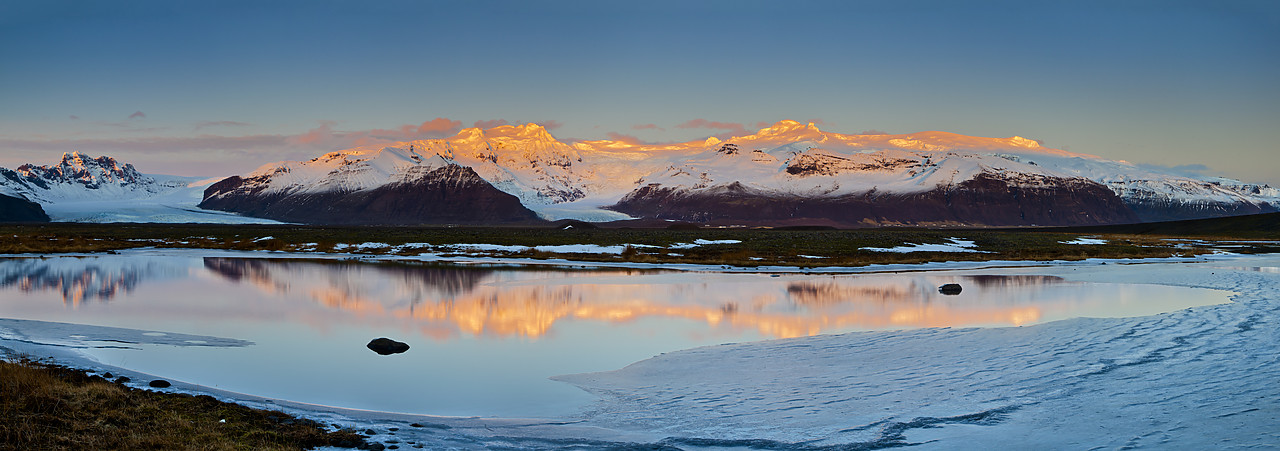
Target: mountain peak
(1024,142)
(523,131)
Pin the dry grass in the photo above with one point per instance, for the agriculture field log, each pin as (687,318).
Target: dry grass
(47,407)
(755,247)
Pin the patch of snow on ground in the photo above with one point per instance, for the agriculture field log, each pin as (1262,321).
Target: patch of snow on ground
(957,245)
(1085,241)
(701,242)
(486,247)
(581,249)
(264,239)
(706,242)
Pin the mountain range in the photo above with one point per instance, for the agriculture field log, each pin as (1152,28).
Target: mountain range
(786,174)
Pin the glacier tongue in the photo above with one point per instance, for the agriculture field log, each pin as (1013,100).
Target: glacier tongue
(84,189)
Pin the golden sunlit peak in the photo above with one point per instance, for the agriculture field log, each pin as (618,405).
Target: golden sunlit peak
(784,126)
(1024,142)
(712,141)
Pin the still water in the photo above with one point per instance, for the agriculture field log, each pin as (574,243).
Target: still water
(485,340)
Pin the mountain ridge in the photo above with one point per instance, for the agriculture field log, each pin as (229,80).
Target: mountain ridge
(790,160)
(776,169)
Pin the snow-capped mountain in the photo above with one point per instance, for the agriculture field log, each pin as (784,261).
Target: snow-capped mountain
(388,186)
(929,177)
(788,172)
(84,189)
(79,176)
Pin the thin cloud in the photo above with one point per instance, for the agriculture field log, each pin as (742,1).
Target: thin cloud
(207,124)
(328,137)
(551,124)
(703,123)
(150,144)
(615,136)
(817,121)
(491,123)
(873,132)
(206,152)
(1186,170)
(74,117)
(647,127)
(138,115)
(439,127)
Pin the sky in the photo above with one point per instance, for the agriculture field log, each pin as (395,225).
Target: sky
(216,88)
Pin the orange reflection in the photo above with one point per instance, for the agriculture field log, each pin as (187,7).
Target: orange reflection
(482,302)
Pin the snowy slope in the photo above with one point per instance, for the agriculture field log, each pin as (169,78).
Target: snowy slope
(84,189)
(800,159)
(789,159)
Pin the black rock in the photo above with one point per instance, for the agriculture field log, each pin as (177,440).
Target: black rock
(387,346)
(950,289)
(370,432)
(122,379)
(107,375)
(159,383)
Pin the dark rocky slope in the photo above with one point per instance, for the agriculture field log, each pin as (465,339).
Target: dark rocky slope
(448,195)
(17,209)
(987,199)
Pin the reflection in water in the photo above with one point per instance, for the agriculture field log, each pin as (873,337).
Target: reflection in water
(77,279)
(484,340)
(446,301)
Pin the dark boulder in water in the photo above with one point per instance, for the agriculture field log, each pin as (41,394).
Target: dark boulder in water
(950,289)
(387,346)
(159,383)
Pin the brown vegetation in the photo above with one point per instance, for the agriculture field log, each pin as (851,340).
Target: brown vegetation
(47,407)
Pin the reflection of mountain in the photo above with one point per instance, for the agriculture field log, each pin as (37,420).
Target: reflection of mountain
(446,301)
(78,279)
(266,273)
(831,292)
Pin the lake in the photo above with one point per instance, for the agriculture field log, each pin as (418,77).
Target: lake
(485,340)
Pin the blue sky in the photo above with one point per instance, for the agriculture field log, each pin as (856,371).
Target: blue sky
(214,88)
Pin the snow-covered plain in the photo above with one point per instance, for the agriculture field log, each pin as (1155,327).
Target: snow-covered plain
(1202,377)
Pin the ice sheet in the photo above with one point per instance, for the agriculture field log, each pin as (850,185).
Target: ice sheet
(1195,378)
